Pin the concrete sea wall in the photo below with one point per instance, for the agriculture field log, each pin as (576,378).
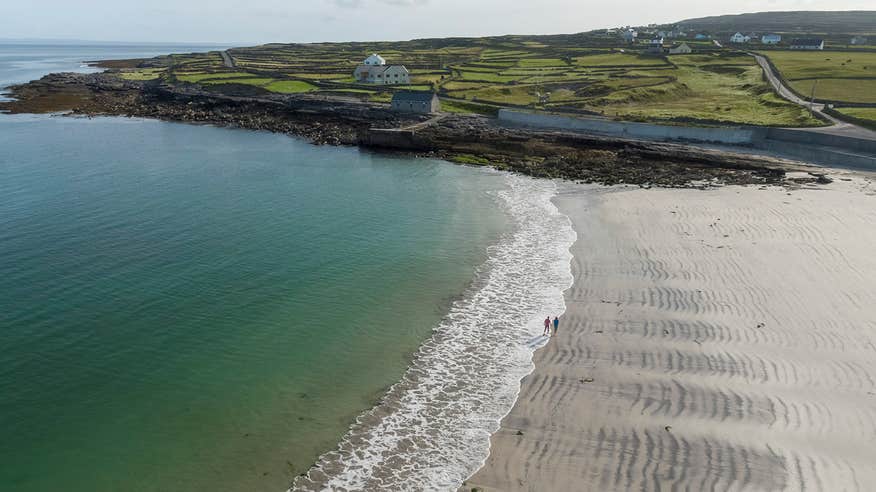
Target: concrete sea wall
(731,136)
(819,148)
(822,139)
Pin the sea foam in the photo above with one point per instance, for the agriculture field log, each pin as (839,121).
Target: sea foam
(432,429)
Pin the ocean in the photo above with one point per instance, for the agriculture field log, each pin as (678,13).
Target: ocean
(197,308)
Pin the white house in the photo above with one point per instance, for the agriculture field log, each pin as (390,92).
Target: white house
(396,74)
(382,74)
(807,44)
(770,39)
(739,38)
(682,49)
(374,70)
(374,59)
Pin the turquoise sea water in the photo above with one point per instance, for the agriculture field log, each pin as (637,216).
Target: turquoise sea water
(197,308)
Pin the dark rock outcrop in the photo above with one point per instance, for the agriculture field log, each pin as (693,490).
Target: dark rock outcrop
(349,121)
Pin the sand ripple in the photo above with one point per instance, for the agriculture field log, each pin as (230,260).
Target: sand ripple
(718,340)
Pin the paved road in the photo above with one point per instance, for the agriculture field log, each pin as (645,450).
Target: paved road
(227,60)
(838,127)
(783,90)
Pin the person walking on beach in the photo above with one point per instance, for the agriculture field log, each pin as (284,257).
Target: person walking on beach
(556,324)
(547,326)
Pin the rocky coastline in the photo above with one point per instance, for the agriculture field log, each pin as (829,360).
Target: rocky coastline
(466,139)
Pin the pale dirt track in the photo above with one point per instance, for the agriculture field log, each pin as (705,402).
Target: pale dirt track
(714,340)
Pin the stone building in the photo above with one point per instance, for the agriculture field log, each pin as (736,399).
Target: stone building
(416,102)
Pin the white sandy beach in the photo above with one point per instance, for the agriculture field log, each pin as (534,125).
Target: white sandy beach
(713,340)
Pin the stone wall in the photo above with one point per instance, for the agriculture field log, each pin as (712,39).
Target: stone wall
(392,139)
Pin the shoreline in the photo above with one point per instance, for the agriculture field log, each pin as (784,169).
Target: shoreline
(431,429)
(458,138)
(342,141)
(698,349)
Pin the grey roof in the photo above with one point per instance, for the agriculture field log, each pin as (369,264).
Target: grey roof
(413,96)
(807,41)
(378,69)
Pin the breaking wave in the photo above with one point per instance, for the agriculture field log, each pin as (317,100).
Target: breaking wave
(432,429)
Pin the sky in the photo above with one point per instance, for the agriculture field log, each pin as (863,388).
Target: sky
(248,22)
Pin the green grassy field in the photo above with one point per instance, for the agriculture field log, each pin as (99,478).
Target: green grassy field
(572,73)
(290,86)
(142,74)
(848,76)
(196,77)
(845,90)
(727,90)
(259,81)
(866,115)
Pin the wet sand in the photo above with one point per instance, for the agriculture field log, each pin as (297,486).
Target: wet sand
(713,340)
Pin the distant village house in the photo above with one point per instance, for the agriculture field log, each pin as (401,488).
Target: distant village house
(629,35)
(739,38)
(807,44)
(702,36)
(374,70)
(655,46)
(770,39)
(858,40)
(681,49)
(416,102)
